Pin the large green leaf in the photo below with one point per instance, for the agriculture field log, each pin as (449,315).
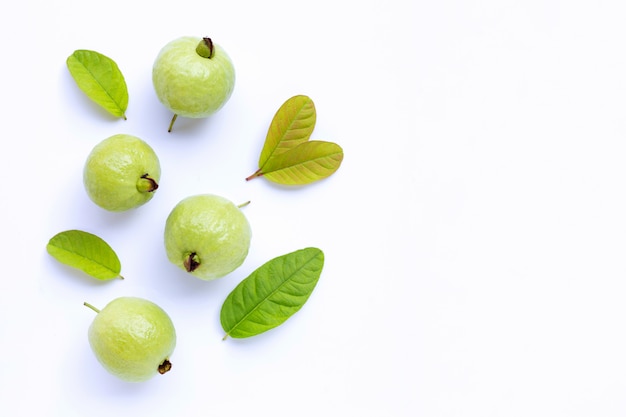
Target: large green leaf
(272,293)
(99,77)
(87,252)
(308,162)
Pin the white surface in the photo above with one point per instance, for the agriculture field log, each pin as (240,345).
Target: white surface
(474,235)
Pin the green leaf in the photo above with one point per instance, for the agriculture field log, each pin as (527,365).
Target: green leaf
(99,77)
(308,162)
(292,125)
(272,293)
(87,252)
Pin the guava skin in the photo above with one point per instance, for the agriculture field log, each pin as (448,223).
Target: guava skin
(207,235)
(121,173)
(191,85)
(133,339)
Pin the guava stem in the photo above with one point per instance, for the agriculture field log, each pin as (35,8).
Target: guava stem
(165,366)
(191,262)
(243,204)
(169,129)
(258,173)
(205,48)
(91,307)
(146,184)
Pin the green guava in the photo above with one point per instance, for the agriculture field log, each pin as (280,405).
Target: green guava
(132,338)
(121,173)
(207,235)
(193,77)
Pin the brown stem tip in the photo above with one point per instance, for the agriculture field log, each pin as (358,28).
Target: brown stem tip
(164,367)
(191,262)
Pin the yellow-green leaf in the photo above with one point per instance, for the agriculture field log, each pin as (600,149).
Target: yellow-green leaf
(99,77)
(308,162)
(87,252)
(292,125)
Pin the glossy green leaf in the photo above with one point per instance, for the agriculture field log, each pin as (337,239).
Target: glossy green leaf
(87,252)
(272,293)
(99,77)
(308,162)
(292,125)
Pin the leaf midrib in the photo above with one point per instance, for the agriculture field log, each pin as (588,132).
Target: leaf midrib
(108,268)
(304,162)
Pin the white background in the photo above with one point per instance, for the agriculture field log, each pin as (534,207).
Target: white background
(474,234)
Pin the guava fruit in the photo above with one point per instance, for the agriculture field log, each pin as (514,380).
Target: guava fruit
(121,172)
(207,235)
(193,77)
(132,338)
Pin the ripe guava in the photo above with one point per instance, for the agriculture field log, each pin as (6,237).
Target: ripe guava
(193,77)
(207,235)
(121,173)
(132,338)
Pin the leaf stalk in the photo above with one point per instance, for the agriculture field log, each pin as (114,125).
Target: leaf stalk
(258,173)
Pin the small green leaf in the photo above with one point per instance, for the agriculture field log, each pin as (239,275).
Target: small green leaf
(292,125)
(272,293)
(87,252)
(99,77)
(308,162)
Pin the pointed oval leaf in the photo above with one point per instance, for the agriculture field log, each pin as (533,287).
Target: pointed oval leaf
(87,252)
(308,162)
(99,77)
(272,293)
(292,124)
